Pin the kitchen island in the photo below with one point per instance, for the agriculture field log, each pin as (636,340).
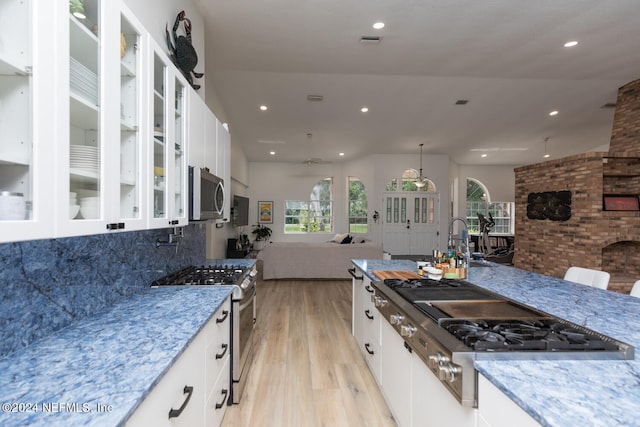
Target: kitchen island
(560,393)
(97,371)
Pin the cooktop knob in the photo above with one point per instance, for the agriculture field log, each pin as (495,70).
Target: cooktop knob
(396,319)
(407,330)
(378,301)
(436,360)
(448,372)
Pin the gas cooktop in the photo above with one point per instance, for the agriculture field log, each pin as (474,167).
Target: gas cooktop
(204,275)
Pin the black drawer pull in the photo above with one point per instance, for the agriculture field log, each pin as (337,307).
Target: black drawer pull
(224,351)
(352,272)
(225,313)
(366,347)
(225,392)
(368,314)
(369,289)
(188,390)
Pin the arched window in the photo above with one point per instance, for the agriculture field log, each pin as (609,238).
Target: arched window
(409,178)
(314,215)
(479,201)
(357,206)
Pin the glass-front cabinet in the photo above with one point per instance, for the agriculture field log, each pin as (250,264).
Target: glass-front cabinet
(93,122)
(168,199)
(25,160)
(132,208)
(86,153)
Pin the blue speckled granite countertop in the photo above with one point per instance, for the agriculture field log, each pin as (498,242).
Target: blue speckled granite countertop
(113,358)
(561,393)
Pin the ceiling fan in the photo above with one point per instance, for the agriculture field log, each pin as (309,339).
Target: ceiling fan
(314,161)
(309,161)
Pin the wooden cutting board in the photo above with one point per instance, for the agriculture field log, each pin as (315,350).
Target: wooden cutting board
(395,274)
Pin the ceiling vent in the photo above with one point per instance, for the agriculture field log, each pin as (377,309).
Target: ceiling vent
(315,98)
(462,102)
(370,39)
(609,105)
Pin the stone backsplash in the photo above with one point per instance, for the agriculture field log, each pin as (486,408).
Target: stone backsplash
(46,285)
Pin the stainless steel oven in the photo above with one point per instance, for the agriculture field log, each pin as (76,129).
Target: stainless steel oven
(243,324)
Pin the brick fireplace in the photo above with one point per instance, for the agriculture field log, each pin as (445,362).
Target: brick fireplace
(592,237)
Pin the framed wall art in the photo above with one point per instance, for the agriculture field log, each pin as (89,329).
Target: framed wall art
(265,212)
(620,203)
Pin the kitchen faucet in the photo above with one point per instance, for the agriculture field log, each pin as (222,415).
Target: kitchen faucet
(464,236)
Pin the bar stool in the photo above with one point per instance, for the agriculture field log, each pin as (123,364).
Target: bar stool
(635,290)
(586,276)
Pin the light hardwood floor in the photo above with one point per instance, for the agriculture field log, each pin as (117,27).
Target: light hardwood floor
(307,369)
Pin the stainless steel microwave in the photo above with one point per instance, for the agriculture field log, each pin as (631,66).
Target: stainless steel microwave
(206,195)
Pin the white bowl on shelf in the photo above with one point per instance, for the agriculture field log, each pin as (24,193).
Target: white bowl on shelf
(73,211)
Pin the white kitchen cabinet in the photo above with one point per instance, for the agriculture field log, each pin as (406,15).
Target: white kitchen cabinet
(208,353)
(182,387)
(168,150)
(396,374)
(197,111)
(223,162)
(495,409)
(26,141)
(81,93)
(366,324)
(101,153)
(210,141)
(432,404)
(218,365)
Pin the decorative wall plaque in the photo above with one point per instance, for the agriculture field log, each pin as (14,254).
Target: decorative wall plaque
(553,205)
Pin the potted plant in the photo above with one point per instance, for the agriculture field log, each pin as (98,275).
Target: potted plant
(261,234)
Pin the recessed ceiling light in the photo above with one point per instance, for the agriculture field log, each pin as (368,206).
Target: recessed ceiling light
(263,107)
(273,153)
(553,113)
(571,44)
(484,155)
(340,154)
(365,109)
(378,25)
(546,156)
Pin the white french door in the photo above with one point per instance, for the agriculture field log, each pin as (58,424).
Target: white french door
(410,222)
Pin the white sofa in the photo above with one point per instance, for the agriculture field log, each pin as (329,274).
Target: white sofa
(305,260)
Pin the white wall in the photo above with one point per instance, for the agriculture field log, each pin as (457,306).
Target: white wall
(278,182)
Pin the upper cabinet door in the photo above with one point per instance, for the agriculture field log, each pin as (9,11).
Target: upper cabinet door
(160,136)
(168,120)
(179,149)
(83,207)
(130,204)
(26,152)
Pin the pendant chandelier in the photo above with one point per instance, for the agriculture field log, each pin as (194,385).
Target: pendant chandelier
(421,181)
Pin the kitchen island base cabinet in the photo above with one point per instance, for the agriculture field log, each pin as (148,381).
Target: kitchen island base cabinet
(433,405)
(496,409)
(366,324)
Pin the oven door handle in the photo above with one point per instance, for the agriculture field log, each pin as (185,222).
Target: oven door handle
(249,299)
(352,272)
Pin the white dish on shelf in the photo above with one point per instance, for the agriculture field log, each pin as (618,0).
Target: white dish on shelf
(73,211)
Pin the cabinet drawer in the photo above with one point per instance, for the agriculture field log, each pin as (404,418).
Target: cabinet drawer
(216,405)
(218,329)
(216,358)
(171,393)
